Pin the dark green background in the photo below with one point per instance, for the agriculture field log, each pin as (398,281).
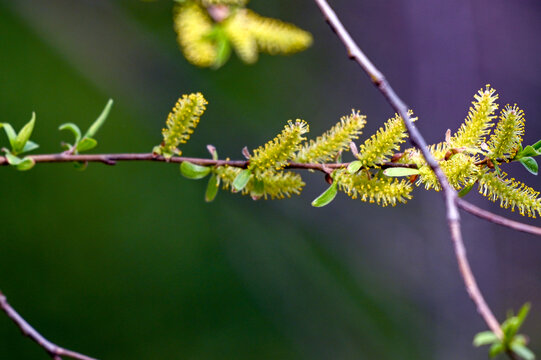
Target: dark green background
(129,262)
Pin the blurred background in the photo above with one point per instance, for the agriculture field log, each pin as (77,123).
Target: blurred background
(129,262)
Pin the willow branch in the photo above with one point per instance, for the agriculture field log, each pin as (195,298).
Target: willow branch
(112,159)
(449,193)
(497,219)
(56,352)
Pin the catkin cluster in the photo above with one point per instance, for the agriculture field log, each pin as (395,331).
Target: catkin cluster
(208,30)
(381,173)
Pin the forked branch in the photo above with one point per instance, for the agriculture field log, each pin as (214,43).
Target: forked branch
(450,195)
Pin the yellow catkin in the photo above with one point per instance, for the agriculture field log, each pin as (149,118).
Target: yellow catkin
(507,136)
(276,185)
(277,37)
(511,193)
(193,25)
(380,146)
(414,156)
(337,139)
(479,120)
(181,122)
(460,169)
(278,151)
(383,191)
(237,29)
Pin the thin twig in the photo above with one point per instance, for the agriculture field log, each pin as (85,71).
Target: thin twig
(55,351)
(497,219)
(450,195)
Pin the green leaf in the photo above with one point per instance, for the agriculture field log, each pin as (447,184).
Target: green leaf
(496,349)
(10,132)
(537,146)
(327,196)
(80,165)
(527,151)
(24,135)
(93,129)
(354,166)
(497,169)
(212,188)
(29,146)
(530,164)
(397,172)
(74,129)
(86,144)
(522,351)
(258,190)
(242,179)
(26,164)
(466,190)
(485,338)
(193,171)
(223,48)
(510,328)
(12,159)
(522,314)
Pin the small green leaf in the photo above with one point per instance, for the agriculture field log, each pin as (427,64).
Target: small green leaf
(522,351)
(327,196)
(354,166)
(74,129)
(485,338)
(223,48)
(29,146)
(80,165)
(24,135)
(466,190)
(242,179)
(259,189)
(527,151)
(496,349)
(537,146)
(530,164)
(93,129)
(10,132)
(523,313)
(12,159)
(86,144)
(193,171)
(26,164)
(510,328)
(397,172)
(212,188)
(497,169)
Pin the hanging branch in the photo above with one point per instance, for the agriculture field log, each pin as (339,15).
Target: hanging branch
(449,193)
(56,352)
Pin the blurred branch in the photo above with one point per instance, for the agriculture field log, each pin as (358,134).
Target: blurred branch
(449,193)
(55,351)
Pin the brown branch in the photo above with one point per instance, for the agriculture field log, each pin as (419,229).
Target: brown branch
(56,352)
(450,195)
(497,219)
(112,159)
